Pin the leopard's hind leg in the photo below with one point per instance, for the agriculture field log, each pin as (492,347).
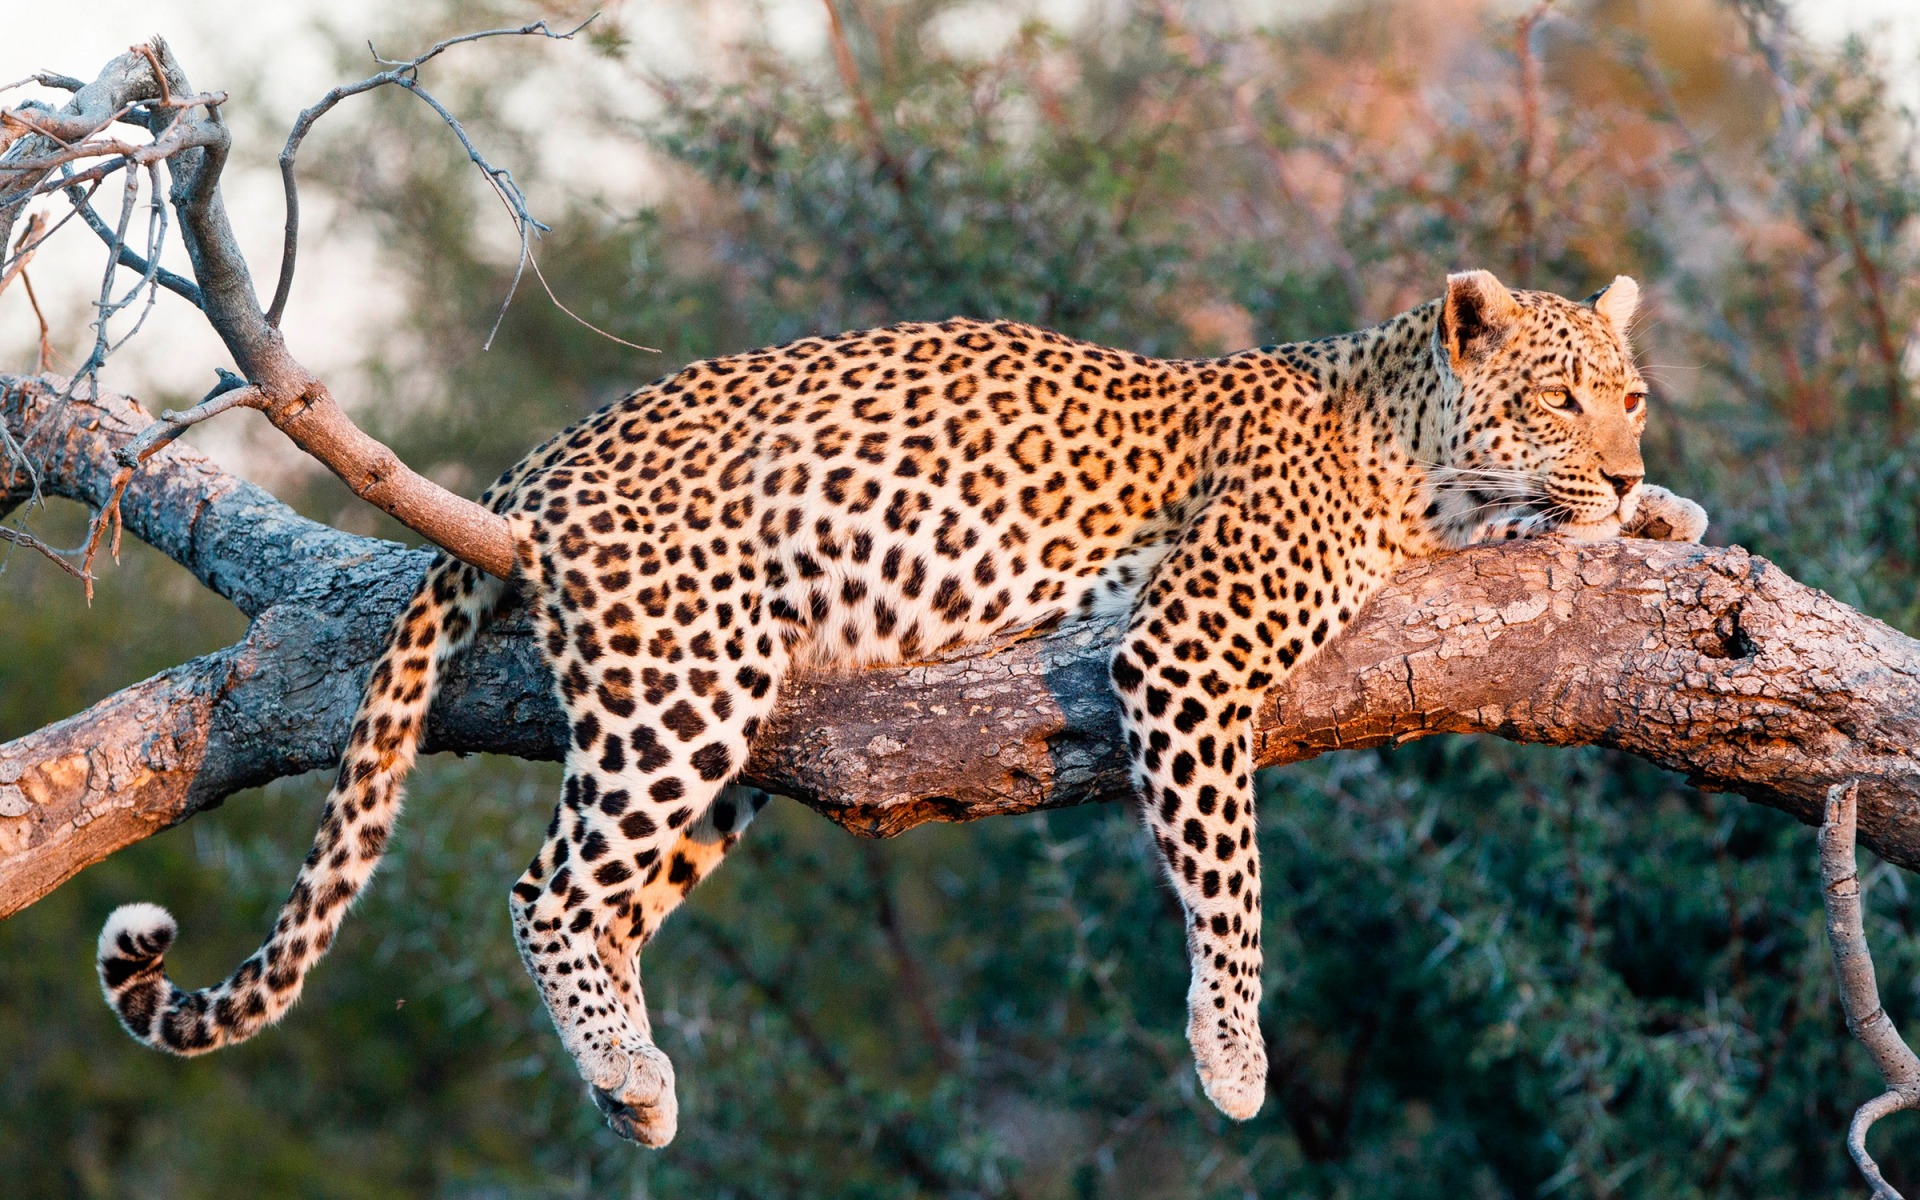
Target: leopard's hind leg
(701,847)
(661,718)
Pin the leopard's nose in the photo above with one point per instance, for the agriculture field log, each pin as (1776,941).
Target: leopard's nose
(1622,484)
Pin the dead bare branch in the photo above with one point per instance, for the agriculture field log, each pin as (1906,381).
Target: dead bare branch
(146,86)
(1859,991)
(184,288)
(65,83)
(404,74)
(869,120)
(20,537)
(231,392)
(44,361)
(534,262)
(298,403)
(23,252)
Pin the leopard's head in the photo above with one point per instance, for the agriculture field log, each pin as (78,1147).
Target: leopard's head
(1546,406)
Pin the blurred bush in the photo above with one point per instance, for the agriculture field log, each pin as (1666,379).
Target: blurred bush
(1493,971)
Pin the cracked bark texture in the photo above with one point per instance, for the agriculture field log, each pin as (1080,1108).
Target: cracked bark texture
(1707,661)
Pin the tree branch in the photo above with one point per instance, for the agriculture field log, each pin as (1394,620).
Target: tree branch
(403,74)
(124,254)
(1859,991)
(234,537)
(192,137)
(1706,661)
(31,132)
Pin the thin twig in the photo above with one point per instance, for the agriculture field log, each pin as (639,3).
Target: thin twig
(1859,991)
(890,164)
(45,358)
(156,237)
(93,175)
(1884,343)
(179,135)
(501,181)
(57,225)
(182,134)
(402,75)
(23,249)
(850,76)
(185,288)
(534,262)
(20,537)
(159,76)
(231,392)
(65,83)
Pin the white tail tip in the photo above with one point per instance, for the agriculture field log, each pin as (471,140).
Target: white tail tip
(137,931)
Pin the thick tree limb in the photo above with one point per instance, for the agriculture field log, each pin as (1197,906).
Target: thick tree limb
(1707,661)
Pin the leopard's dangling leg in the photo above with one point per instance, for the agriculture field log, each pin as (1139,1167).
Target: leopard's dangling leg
(1211,633)
(1192,772)
(694,856)
(658,732)
(700,848)
(1185,677)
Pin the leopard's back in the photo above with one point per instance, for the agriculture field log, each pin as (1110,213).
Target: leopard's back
(886,493)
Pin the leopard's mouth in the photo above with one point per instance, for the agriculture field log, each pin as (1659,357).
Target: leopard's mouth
(1559,510)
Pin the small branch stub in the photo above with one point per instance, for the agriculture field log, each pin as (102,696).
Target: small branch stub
(1859,991)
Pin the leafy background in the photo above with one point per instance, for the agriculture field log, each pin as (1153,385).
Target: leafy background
(1493,971)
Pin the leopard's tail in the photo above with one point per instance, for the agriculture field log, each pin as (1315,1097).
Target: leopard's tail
(441,620)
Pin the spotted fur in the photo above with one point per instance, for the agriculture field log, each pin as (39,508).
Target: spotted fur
(882,495)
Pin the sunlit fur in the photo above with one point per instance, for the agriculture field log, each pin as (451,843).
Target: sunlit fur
(885,495)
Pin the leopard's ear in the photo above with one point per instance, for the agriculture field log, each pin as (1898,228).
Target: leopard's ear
(1616,303)
(1477,316)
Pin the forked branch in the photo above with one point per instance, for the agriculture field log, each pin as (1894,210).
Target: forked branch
(146,86)
(406,75)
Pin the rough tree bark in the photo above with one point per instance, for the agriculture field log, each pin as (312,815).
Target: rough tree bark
(1708,661)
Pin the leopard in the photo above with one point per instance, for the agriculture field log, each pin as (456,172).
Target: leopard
(894,494)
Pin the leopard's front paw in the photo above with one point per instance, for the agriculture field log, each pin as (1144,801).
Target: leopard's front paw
(634,1089)
(1665,517)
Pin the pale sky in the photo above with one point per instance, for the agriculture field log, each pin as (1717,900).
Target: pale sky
(278,48)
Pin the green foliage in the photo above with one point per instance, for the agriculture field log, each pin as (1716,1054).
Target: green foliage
(1493,971)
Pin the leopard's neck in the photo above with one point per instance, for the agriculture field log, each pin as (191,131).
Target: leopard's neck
(1389,387)
(1396,407)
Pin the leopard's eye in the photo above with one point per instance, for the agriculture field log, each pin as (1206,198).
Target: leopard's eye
(1559,399)
(1634,402)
